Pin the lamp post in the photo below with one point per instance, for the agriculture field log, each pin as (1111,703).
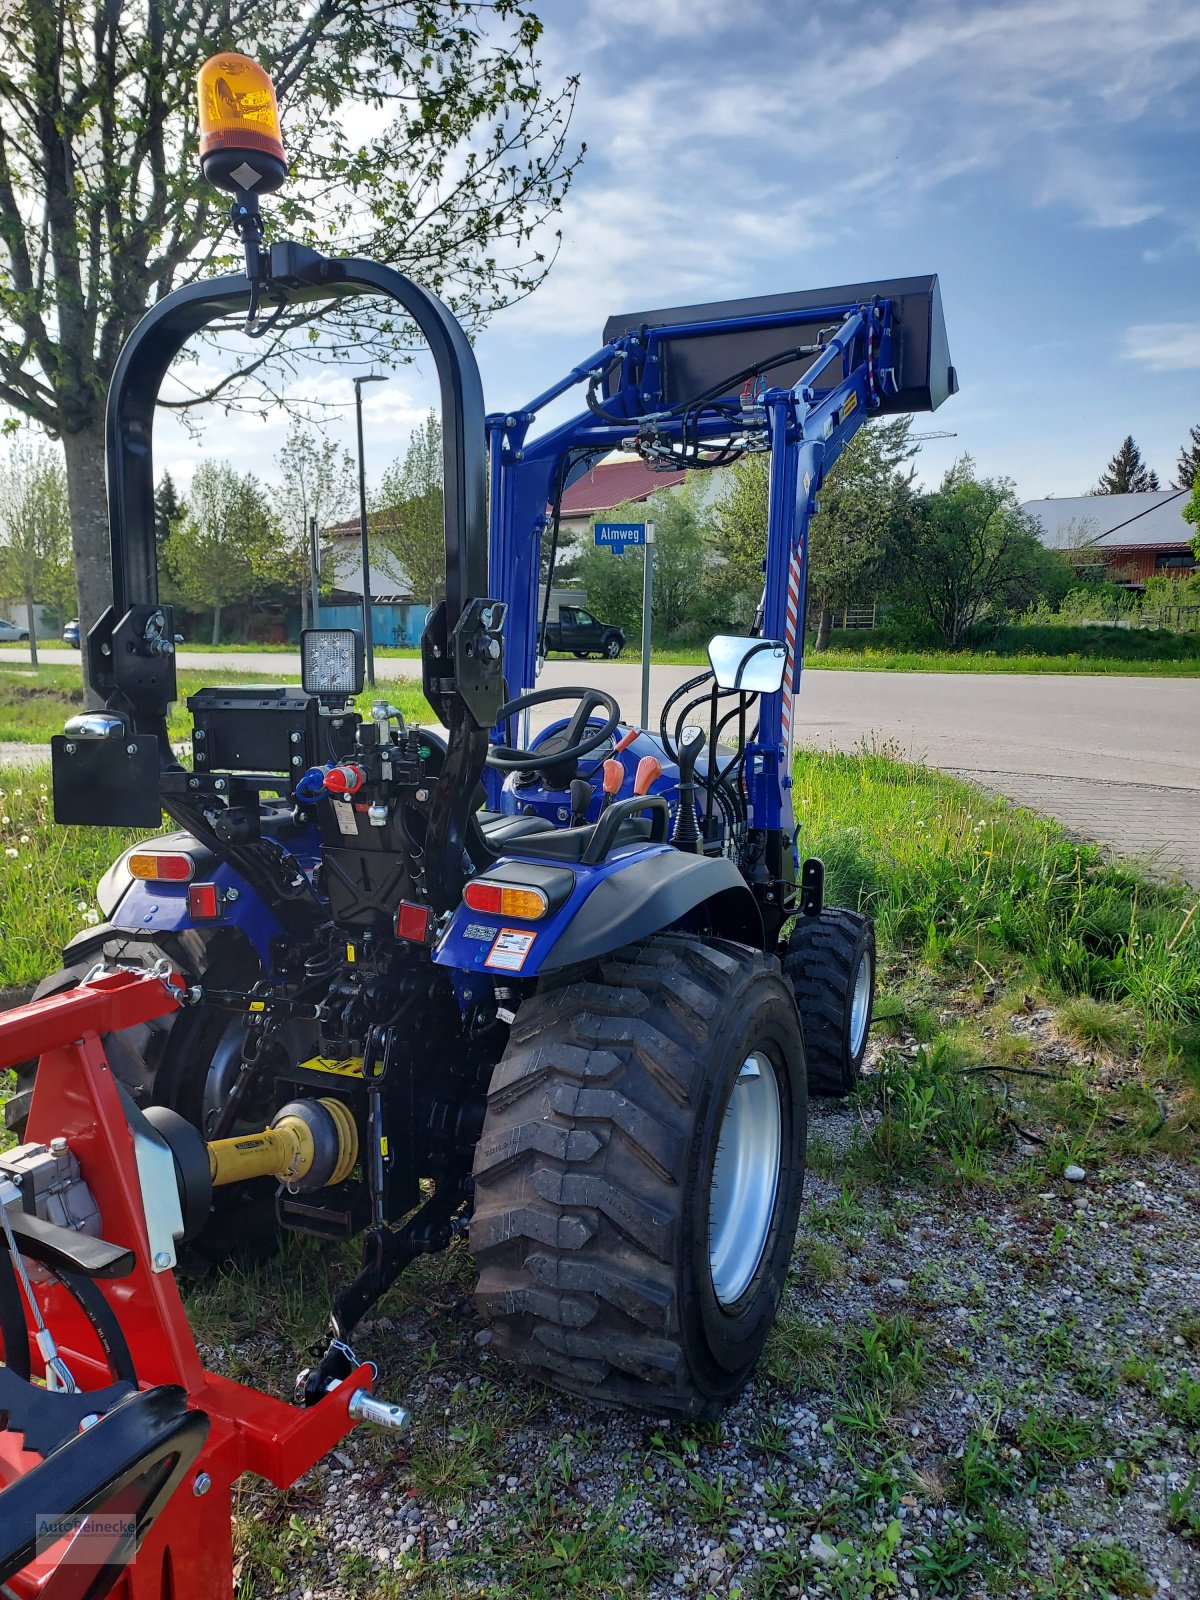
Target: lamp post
(370,377)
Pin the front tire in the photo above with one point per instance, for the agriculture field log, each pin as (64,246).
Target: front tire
(612,647)
(830,963)
(638,1178)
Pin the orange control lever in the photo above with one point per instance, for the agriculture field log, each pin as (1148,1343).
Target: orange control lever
(626,741)
(614,777)
(649,768)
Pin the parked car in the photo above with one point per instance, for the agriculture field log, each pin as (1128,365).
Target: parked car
(581,634)
(11,631)
(71,633)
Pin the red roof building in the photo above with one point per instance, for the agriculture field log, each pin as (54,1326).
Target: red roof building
(609,484)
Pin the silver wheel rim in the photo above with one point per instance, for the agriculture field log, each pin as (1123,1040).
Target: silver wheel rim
(745,1179)
(860,1006)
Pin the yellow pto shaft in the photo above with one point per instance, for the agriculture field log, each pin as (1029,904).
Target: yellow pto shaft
(309,1145)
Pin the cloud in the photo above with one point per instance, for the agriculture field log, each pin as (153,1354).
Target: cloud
(1164,346)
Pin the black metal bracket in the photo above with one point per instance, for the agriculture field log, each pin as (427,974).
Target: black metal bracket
(812,887)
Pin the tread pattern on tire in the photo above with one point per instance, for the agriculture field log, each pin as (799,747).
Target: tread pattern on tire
(819,963)
(580,1169)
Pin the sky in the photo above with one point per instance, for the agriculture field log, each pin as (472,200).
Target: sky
(1042,158)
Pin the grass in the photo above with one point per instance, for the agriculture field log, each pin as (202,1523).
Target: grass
(34,705)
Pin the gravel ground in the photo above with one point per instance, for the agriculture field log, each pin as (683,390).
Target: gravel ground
(1021,1416)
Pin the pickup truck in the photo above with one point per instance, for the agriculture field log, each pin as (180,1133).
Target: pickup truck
(578,633)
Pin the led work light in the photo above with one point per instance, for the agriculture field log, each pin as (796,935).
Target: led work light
(331,662)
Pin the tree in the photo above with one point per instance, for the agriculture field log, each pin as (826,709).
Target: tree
(967,555)
(216,549)
(316,480)
(860,501)
(102,212)
(1187,469)
(848,537)
(35,531)
(168,508)
(1191,513)
(409,513)
(1126,473)
(738,530)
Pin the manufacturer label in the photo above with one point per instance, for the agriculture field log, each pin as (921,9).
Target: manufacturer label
(510,949)
(478,930)
(343,810)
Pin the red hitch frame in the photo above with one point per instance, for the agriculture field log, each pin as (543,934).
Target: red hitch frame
(189,1549)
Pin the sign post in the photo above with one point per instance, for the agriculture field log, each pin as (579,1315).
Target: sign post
(617,537)
(647,605)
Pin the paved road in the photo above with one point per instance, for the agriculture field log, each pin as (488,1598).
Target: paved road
(1114,759)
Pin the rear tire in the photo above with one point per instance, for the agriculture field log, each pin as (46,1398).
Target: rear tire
(830,962)
(614,1253)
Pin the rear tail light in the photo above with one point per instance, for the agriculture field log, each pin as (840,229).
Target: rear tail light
(205,902)
(174,866)
(506,899)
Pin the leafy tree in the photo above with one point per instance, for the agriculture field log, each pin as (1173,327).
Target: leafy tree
(168,508)
(216,549)
(860,501)
(738,531)
(967,555)
(1187,469)
(316,479)
(409,512)
(35,532)
(1126,473)
(102,211)
(614,583)
(848,538)
(1191,513)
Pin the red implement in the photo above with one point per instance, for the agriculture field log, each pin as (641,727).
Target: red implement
(188,1551)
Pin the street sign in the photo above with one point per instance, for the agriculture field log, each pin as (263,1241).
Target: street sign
(618,536)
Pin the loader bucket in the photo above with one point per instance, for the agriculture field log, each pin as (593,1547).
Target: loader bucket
(703,352)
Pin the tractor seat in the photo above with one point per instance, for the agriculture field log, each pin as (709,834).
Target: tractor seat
(499,829)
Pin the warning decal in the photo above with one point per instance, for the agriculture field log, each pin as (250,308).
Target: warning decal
(511,947)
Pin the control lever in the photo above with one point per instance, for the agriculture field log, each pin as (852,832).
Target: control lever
(614,777)
(581,800)
(626,740)
(649,770)
(685,835)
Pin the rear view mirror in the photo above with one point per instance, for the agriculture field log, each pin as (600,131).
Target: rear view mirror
(755,666)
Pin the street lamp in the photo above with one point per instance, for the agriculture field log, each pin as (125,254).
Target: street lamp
(370,377)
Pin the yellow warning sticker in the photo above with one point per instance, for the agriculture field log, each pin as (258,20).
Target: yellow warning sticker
(351,957)
(351,1067)
(383,1146)
(851,402)
(258,1005)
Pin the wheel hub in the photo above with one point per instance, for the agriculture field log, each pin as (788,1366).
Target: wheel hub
(745,1179)
(860,1005)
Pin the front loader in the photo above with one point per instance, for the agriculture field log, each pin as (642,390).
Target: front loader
(564,992)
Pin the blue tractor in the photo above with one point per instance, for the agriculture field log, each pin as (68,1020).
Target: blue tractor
(566,992)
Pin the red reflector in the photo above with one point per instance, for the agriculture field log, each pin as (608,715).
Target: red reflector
(413,922)
(482,896)
(204,902)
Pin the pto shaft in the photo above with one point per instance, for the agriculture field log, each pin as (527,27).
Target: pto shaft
(309,1145)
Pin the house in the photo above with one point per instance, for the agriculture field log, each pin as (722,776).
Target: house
(615,481)
(1130,537)
(396,617)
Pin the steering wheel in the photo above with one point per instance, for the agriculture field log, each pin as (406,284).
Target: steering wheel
(574,742)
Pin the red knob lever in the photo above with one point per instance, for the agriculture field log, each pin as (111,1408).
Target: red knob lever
(624,743)
(614,777)
(649,768)
(345,780)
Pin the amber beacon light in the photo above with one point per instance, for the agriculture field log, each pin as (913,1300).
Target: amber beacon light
(240,144)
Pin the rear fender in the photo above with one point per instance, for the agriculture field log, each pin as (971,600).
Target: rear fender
(627,898)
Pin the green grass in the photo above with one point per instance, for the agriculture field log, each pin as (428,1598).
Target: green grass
(978,890)
(34,705)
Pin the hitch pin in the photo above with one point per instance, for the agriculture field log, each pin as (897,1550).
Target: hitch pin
(365,1407)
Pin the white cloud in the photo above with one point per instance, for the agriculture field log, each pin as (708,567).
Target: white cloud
(1164,346)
